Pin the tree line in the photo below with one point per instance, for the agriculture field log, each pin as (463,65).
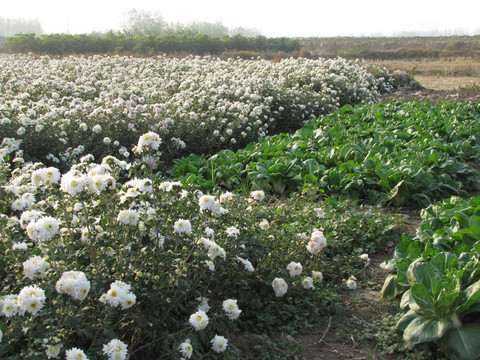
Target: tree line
(146,45)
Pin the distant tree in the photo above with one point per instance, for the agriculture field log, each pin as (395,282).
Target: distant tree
(143,22)
(216,29)
(12,26)
(246,32)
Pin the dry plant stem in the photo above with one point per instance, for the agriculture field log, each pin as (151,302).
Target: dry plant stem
(326,331)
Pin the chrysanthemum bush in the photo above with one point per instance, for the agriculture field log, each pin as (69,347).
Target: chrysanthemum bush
(109,260)
(62,109)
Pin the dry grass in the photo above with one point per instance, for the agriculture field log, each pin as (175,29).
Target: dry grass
(446,68)
(448,82)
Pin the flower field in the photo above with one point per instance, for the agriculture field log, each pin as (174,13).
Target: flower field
(117,247)
(65,108)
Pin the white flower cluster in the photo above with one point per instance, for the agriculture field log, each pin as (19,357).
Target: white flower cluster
(231,309)
(73,283)
(317,242)
(31,299)
(115,350)
(199,320)
(213,248)
(210,96)
(119,294)
(35,267)
(9,306)
(246,263)
(280,286)
(128,217)
(257,195)
(182,226)
(208,202)
(75,354)
(148,141)
(186,349)
(352,282)
(95,181)
(295,269)
(219,343)
(45,177)
(45,228)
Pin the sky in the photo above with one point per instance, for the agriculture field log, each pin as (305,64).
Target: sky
(293,18)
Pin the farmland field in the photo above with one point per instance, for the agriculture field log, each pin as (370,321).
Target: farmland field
(238,209)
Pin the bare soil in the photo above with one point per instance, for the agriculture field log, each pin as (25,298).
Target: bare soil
(434,96)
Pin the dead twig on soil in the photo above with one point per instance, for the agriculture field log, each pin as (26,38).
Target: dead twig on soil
(326,331)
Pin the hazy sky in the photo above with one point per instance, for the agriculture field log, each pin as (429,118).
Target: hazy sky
(294,18)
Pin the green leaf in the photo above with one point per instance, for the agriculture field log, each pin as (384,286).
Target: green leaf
(470,296)
(423,298)
(423,273)
(391,288)
(406,319)
(462,343)
(421,330)
(444,260)
(310,179)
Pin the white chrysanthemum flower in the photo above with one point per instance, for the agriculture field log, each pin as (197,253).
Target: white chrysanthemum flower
(264,225)
(97,129)
(52,175)
(47,176)
(294,268)
(119,295)
(129,301)
(53,351)
(209,232)
(210,264)
(182,226)
(206,202)
(199,320)
(75,354)
(186,349)
(115,350)
(219,344)
(225,197)
(149,140)
(352,283)
(9,306)
(257,195)
(29,216)
(233,232)
(317,242)
(38,177)
(317,276)
(365,259)
(128,217)
(231,308)
(203,304)
(248,265)
(72,183)
(280,286)
(320,213)
(44,228)
(307,283)
(19,204)
(20,246)
(98,183)
(31,299)
(73,283)
(35,267)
